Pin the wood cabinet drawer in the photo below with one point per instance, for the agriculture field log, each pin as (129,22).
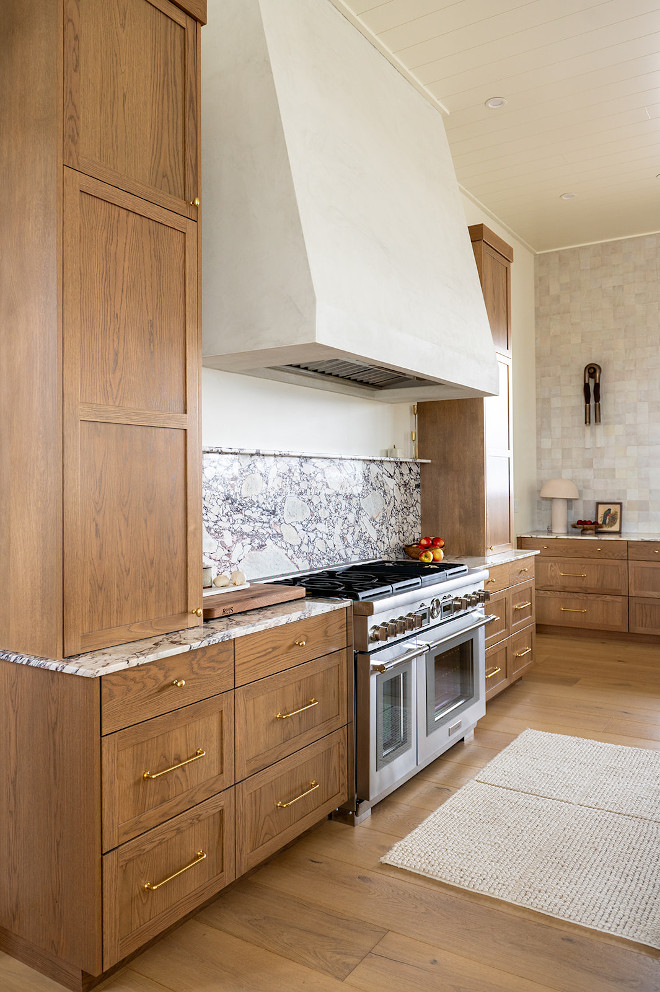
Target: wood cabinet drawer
(282,713)
(522,605)
(644,550)
(644,579)
(575,610)
(158,768)
(499,605)
(644,616)
(161,686)
(496,667)
(521,653)
(566,547)
(521,571)
(152,881)
(274,650)
(608,578)
(274,806)
(498,578)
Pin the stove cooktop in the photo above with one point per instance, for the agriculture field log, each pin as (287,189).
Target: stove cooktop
(375,580)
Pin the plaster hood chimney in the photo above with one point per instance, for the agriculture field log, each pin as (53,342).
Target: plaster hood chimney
(336,251)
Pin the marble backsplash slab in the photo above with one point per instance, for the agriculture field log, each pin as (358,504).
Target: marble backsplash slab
(269,513)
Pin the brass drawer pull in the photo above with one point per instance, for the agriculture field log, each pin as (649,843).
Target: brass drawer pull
(310,704)
(312,786)
(489,581)
(522,606)
(199,753)
(523,570)
(567,609)
(179,683)
(495,671)
(521,654)
(301,643)
(575,575)
(201,856)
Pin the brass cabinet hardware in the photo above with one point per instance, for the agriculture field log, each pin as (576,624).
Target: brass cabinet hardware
(490,547)
(545,547)
(567,609)
(575,575)
(179,683)
(495,671)
(656,552)
(195,202)
(301,643)
(522,606)
(599,549)
(523,570)
(521,654)
(488,581)
(312,786)
(149,887)
(310,704)
(199,753)
(197,612)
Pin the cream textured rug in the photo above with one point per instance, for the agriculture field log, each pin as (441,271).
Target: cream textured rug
(561,825)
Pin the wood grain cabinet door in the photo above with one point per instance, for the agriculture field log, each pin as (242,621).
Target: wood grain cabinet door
(499,464)
(130,97)
(132,479)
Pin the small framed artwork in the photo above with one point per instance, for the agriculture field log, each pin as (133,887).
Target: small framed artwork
(608,517)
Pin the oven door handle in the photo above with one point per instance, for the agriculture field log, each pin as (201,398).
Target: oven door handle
(488,618)
(387,666)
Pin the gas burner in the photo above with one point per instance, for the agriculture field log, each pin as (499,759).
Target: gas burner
(375,580)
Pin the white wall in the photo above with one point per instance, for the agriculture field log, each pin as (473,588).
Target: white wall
(239,411)
(524,374)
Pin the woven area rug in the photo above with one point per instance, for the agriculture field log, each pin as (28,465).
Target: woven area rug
(561,825)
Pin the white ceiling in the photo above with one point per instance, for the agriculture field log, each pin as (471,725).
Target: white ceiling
(582,83)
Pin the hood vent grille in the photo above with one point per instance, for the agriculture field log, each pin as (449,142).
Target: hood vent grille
(367,375)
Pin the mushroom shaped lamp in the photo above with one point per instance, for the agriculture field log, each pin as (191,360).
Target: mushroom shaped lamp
(559,491)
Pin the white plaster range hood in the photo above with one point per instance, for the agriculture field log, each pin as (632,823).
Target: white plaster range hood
(335,247)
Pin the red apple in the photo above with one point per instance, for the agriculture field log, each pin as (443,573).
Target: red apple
(438,554)
(426,556)
(437,542)
(424,542)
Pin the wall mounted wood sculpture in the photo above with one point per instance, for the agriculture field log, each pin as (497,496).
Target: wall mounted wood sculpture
(592,371)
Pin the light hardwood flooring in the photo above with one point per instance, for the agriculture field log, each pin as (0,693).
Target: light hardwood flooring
(325,914)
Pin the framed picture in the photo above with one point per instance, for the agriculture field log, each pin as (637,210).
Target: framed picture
(608,517)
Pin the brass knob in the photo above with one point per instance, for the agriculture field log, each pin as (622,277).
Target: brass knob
(301,643)
(179,683)
(490,547)
(195,202)
(197,612)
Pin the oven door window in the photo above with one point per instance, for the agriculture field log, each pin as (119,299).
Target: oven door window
(394,721)
(449,683)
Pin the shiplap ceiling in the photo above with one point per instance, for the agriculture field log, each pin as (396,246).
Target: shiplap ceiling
(582,83)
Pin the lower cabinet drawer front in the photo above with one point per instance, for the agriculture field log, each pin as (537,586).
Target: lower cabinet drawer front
(644,551)
(645,579)
(275,650)
(156,769)
(644,616)
(154,880)
(498,578)
(282,713)
(521,654)
(566,547)
(521,570)
(522,605)
(274,806)
(499,607)
(573,610)
(157,687)
(496,667)
(605,578)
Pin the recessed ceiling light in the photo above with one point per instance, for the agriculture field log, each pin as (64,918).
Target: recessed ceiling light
(567,196)
(495,102)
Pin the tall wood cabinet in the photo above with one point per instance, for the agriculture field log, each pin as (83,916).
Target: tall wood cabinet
(467,490)
(100,474)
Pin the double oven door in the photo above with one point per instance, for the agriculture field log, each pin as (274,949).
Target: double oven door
(415,699)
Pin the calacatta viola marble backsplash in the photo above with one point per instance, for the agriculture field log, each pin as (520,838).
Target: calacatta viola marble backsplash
(269,512)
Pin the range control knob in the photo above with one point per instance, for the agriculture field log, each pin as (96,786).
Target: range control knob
(410,621)
(484,595)
(392,628)
(419,620)
(456,606)
(435,608)
(473,599)
(378,633)
(401,625)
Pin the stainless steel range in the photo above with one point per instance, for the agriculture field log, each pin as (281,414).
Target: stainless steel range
(419,664)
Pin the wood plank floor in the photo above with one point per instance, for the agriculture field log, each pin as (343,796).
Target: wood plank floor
(325,914)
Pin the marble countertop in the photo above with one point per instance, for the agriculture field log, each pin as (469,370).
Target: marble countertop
(121,656)
(601,536)
(489,561)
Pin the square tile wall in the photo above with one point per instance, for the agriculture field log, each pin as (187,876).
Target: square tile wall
(600,303)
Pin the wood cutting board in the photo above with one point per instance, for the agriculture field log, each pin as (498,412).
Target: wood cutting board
(258,594)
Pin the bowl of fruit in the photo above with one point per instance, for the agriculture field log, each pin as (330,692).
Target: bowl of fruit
(586,526)
(428,549)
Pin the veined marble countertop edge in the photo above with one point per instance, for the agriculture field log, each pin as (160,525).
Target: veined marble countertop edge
(575,535)
(123,656)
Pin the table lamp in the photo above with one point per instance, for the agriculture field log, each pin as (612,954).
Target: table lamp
(559,491)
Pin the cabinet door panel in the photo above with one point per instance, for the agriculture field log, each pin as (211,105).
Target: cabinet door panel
(497,666)
(576,610)
(500,607)
(645,579)
(130,101)
(499,464)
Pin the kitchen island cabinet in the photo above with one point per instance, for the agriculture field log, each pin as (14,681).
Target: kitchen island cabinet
(124,806)
(100,436)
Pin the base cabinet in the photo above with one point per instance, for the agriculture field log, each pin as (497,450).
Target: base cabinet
(125,807)
(510,639)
